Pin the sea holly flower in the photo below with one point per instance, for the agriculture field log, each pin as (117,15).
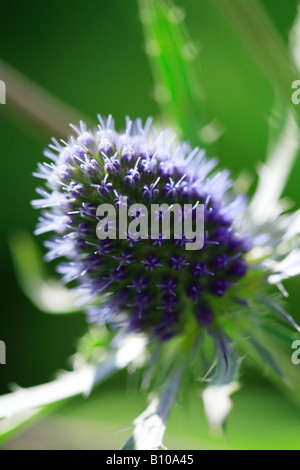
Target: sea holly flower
(141,179)
(163,303)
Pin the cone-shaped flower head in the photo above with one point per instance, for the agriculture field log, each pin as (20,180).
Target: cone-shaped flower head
(152,282)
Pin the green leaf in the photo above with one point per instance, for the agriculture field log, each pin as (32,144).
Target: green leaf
(266,357)
(294,39)
(172,55)
(254,27)
(23,404)
(279,311)
(283,150)
(276,338)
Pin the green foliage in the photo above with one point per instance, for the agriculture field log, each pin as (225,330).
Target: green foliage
(172,56)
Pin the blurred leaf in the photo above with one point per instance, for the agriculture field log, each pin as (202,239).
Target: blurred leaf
(265,355)
(294,39)
(47,294)
(261,419)
(279,311)
(20,406)
(47,112)
(172,55)
(254,27)
(9,427)
(92,345)
(279,340)
(252,23)
(283,149)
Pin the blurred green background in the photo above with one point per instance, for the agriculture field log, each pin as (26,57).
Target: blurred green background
(91,55)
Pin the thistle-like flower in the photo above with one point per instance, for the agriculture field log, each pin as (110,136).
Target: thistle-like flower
(168,301)
(147,283)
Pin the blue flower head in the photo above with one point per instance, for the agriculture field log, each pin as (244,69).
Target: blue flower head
(154,285)
(155,288)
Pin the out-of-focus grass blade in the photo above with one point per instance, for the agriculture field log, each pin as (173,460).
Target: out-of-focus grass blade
(266,356)
(11,426)
(274,174)
(39,107)
(294,39)
(172,55)
(20,406)
(254,27)
(47,294)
